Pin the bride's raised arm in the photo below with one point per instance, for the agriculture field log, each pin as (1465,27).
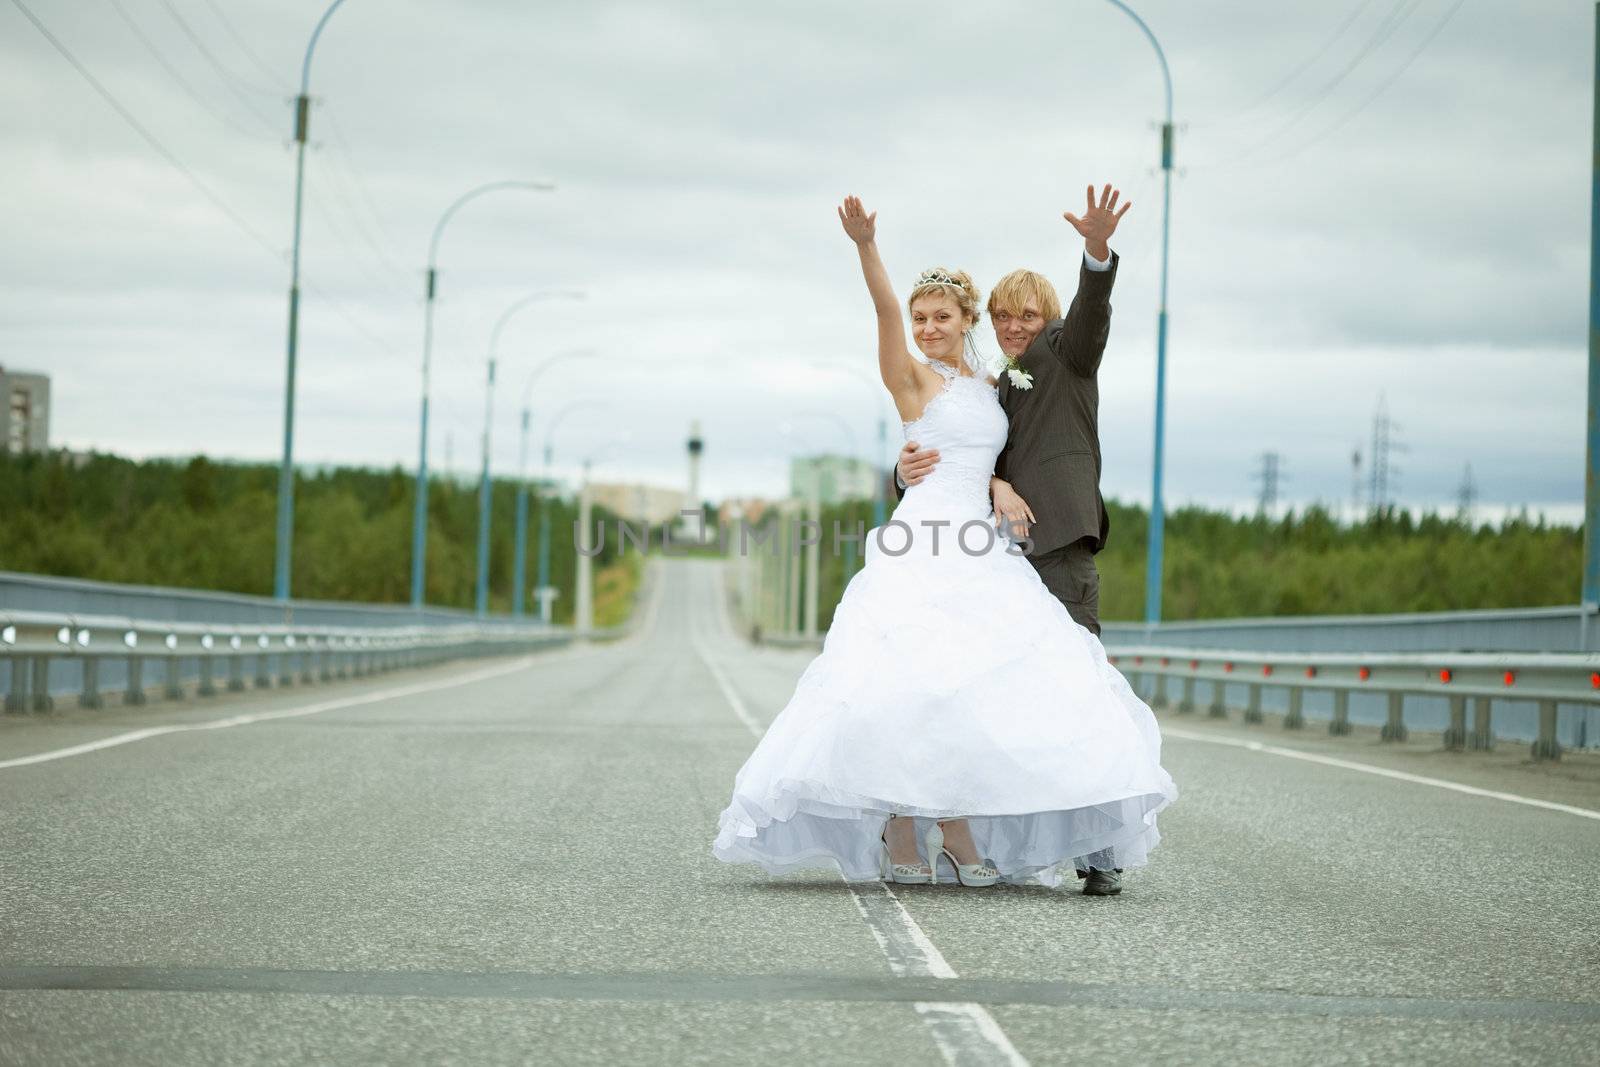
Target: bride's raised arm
(894,359)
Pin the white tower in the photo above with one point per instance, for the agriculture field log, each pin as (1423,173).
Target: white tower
(695,528)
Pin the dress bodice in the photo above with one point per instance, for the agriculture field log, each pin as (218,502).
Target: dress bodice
(967,426)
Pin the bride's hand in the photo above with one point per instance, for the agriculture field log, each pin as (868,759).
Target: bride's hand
(1012,513)
(859,226)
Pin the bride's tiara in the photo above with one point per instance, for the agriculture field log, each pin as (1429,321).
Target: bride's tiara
(936,276)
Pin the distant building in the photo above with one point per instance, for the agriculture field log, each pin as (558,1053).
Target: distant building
(25,416)
(639,503)
(835,478)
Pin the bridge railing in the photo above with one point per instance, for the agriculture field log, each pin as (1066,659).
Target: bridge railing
(34,646)
(1547,680)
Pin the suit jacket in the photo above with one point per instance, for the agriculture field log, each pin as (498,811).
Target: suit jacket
(1052,452)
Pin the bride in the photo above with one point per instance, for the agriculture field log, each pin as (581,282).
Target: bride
(958,725)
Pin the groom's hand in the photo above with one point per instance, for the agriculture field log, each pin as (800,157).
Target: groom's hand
(914,464)
(1099,221)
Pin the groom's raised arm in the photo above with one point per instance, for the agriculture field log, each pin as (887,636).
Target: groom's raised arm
(1081,340)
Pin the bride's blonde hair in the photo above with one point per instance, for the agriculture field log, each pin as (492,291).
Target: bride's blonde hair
(956,284)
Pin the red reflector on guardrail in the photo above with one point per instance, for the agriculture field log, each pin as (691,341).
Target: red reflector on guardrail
(1266,668)
(1165,662)
(1594,681)
(1511,677)
(1194,665)
(1311,672)
(1444,676)
(1138,659)
(1364,673)
(1228,667)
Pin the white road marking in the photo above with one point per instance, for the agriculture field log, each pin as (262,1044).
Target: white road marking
(1367,768)
(266,716)
(964,1032)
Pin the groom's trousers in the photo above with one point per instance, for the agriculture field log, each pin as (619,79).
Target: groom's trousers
(1069,573)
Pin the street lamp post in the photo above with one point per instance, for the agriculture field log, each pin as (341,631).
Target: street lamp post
(302,122)
(419,523)
(484,488)
(519,574)
(544,508)
(1152,575)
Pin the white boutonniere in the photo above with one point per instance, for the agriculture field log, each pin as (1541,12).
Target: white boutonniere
(1020,379)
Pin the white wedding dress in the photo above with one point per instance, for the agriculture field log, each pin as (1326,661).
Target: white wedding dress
(952,683)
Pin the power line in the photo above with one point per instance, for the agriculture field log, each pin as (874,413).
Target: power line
(149,138)
(342,146)
(229,79)
(172,72)
(1353,112)
(1302,67)
(272,76)
(194,179)
(1397,14)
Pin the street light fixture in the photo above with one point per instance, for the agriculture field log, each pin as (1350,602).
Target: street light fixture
(1152,575)
(302,121)
(419,523)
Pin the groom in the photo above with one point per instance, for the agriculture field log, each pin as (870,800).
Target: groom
(1052,452)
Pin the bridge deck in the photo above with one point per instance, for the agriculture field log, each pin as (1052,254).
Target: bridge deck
(508,861)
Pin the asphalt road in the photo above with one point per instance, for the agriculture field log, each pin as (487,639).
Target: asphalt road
(507,861)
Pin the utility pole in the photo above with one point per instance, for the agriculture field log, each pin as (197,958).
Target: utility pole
(1591,493)
(1467,495)
(1271,463)
(1355,485)
(1384,475)
(283,554)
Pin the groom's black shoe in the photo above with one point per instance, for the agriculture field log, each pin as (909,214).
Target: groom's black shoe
(1098,883)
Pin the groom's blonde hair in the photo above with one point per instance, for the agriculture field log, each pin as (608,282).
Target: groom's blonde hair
(1012,292)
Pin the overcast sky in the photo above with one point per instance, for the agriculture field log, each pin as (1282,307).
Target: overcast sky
(1385,198)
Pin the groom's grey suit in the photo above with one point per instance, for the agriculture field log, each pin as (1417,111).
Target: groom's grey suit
(1052,452)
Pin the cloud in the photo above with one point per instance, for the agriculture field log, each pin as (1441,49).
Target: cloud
(1432,245)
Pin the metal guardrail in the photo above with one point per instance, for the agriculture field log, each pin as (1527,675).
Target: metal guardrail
(1555,629)
(61,634)
(31,642)
(1547,679)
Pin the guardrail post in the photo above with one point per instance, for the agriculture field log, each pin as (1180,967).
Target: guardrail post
(90,697)
(1394,728)
(208,667)
(1252,711)
(263,677)
(1219,701)
(1340,723)
(235,673)
(17,698)
(42,700)
(1186,704)
(308,664)
(1296,719)
(286,665)
(1482,738)
(134,694)
(1455,737)
(174,679)
(1161,700)
(1547,747)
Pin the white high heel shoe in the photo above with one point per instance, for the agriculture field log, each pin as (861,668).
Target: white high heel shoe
(971,875)
(901,873)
